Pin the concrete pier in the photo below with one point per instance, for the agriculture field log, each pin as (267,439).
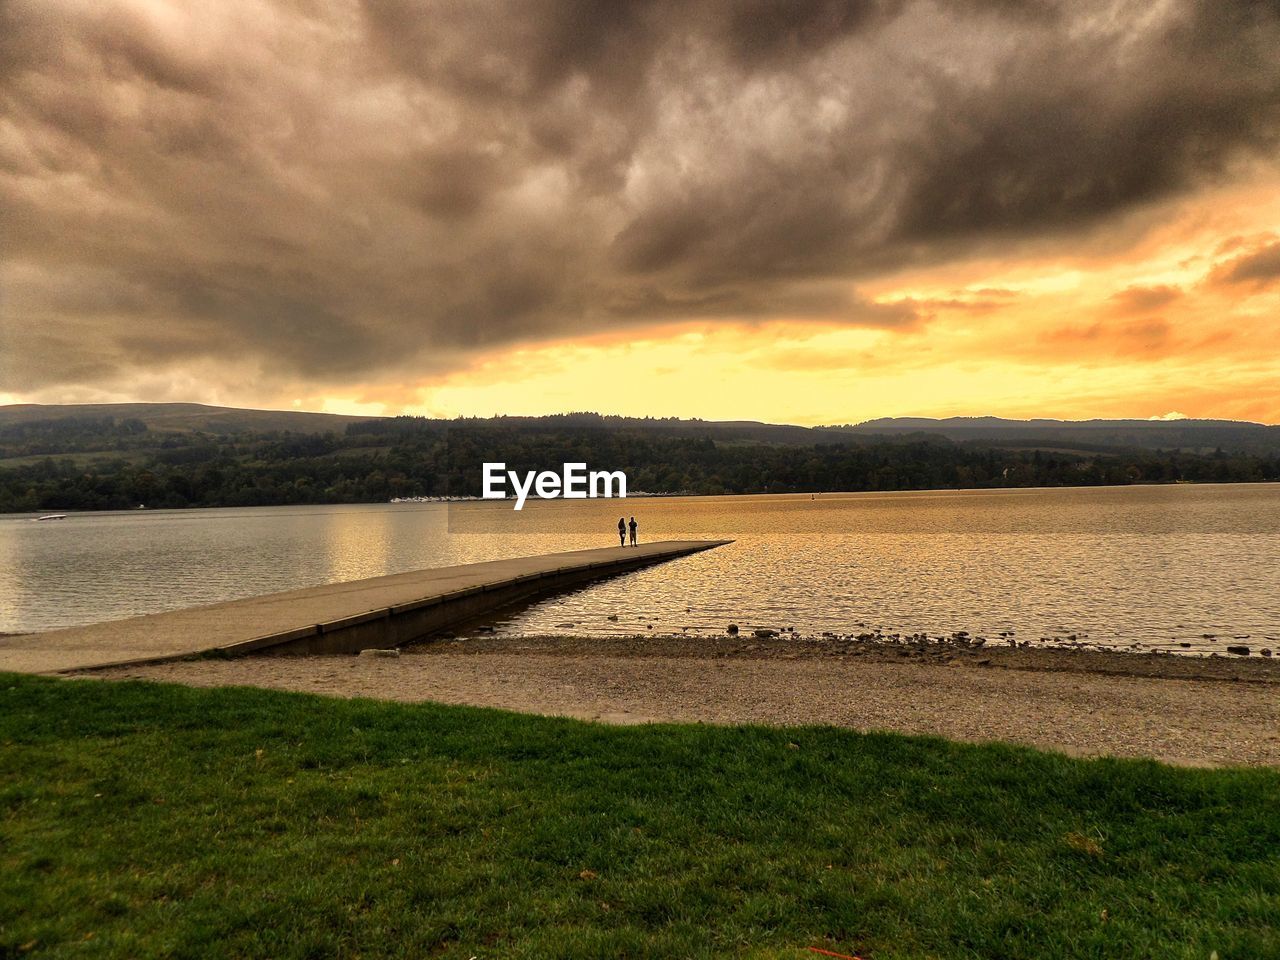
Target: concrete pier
(334,618)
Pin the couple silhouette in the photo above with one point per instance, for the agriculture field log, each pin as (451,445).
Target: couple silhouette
(622,531)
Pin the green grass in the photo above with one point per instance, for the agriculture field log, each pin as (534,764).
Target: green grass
(141,820)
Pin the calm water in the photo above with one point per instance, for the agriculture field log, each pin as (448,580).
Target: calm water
(1117,567)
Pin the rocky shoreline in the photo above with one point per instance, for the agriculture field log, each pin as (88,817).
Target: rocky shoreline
(870,648)
(1182,710)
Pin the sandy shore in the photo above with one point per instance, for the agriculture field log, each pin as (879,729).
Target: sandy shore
(1184,711)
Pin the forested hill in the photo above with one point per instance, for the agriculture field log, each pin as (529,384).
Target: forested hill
(185,455)
(159,418)
(1204,436)
(70,428)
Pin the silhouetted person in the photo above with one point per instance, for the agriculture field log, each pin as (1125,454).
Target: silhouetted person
(622,532)
(633,531)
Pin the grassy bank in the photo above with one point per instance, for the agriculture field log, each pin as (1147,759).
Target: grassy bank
(149,820)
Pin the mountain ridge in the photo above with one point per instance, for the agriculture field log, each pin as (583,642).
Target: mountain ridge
(1048,422)
(1190,434)
(16,412)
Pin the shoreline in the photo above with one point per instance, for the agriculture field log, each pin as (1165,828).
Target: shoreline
(873,648)
(70,511)
(1082,703)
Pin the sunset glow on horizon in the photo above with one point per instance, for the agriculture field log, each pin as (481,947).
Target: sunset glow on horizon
(809,213)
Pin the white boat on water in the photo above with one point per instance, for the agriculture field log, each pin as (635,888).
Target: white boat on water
(50,516)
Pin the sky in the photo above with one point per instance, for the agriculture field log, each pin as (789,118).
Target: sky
(798,211)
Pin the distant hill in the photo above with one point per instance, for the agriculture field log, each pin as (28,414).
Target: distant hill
(76,425)
(747,431)
(1202,436)
(226,421)
(182,417)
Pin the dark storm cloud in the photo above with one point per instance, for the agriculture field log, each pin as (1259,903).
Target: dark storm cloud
(822,303)
(1260,268)
(349,191)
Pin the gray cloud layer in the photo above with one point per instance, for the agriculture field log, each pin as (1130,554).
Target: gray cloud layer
(347,191)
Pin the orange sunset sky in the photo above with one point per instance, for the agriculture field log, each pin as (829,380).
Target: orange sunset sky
(808,212)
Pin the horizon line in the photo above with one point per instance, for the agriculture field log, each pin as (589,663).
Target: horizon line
(1169,419)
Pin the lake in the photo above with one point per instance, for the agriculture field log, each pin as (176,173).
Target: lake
(1182,568)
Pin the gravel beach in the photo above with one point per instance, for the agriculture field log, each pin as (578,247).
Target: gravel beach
(1193,711)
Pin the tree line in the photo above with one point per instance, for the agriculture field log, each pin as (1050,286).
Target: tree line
(405,457)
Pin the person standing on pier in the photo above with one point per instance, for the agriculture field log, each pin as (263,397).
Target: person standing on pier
(633,531)
(622,532)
